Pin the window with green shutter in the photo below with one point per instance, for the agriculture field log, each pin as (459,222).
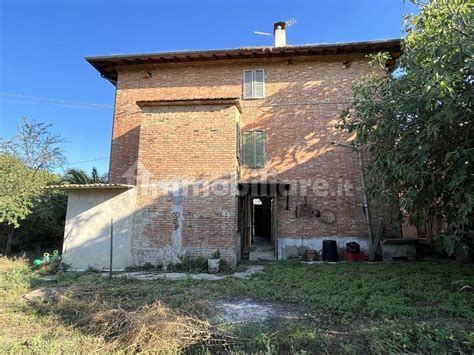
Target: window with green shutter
(254,149)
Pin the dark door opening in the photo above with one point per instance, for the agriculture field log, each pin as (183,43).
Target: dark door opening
(257,220)
(262,221)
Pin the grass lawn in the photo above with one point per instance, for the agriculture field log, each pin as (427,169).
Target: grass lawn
(343,308)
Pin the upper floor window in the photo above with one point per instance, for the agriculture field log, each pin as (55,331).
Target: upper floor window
(253,84)
(254,149)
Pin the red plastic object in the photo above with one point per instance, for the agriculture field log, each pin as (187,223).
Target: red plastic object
(348,256)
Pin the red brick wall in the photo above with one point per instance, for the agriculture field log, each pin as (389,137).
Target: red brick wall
(302,104)
(181,147)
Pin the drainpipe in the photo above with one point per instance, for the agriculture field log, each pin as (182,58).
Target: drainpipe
(365,202)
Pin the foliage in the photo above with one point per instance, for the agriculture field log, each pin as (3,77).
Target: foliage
(24,164)
(45,224)
(189,264)
(417,122)
(413,337)
(25,205)
(35,145)
(19,185)
(81,177)
(145,267)
(186,263)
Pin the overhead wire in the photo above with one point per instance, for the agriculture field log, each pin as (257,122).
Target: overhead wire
(20,98)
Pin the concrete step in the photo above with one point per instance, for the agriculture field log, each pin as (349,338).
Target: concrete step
(262,255)
(262,248)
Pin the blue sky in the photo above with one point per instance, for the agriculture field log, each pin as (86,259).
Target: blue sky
(43,45)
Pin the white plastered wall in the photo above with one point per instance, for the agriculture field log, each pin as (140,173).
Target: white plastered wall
(87,230)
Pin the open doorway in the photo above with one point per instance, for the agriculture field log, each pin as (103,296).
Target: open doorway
(257,219)
(258,224)
(262,222)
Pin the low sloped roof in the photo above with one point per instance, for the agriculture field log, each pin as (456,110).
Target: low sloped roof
(89,186)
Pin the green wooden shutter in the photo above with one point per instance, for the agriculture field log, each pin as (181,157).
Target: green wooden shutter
(259,138)
(254,149)
(249,149)
(237,139)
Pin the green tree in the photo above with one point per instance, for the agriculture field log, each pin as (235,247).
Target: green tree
(35,145)
(44,225)
(417,121)
(24,164)
(81,177)
(19,186)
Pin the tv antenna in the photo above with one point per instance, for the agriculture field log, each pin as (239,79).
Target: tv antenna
(286,23)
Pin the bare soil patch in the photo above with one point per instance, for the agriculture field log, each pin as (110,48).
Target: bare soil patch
(248,310)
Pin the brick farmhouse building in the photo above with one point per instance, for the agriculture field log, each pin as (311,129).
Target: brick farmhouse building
(234,151)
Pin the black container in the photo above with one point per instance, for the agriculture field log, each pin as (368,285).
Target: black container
(353,247)
(330,250)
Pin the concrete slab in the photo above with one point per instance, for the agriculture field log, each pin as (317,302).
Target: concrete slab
(177,276)
(323,262)
(142,276)
(207,277)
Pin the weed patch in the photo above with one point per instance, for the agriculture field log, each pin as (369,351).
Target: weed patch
(352,308)
(413,337)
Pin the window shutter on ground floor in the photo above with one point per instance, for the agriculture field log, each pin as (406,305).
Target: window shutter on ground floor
(237,140)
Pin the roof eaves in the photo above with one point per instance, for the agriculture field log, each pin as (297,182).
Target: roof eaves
(393,41)
(88,186)
(107,65)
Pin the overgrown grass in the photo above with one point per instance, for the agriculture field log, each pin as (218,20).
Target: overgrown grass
(22,328)
(411,336)
(352,308)
(418,289)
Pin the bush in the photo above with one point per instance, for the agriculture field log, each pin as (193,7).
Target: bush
(44,227)
(189,264)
